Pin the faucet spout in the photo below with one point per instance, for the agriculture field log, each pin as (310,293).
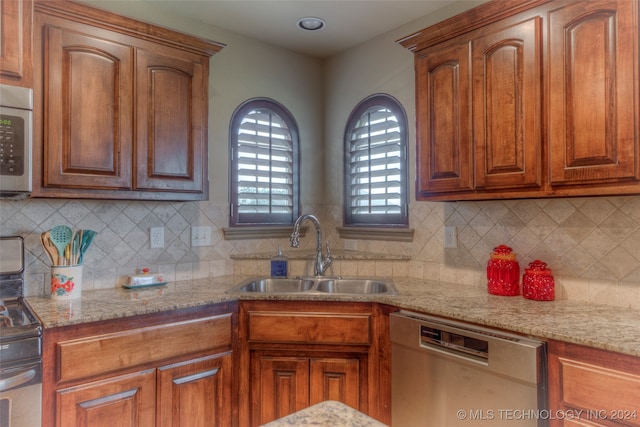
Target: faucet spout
(321,262)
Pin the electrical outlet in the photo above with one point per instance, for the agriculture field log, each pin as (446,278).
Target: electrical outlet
(156,237)
(450,237)
(201,236)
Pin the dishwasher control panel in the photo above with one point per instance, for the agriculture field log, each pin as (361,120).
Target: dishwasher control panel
(457,342)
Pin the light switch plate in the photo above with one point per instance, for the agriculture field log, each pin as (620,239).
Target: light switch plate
(200,236)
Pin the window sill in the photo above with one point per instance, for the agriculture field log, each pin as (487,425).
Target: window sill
(370,233)
(247,233)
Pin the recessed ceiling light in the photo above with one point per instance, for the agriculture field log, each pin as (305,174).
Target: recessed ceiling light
(311,23)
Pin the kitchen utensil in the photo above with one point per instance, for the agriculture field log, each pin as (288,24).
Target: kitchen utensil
(51,250)
(85,242)
(75,246)
(60,237)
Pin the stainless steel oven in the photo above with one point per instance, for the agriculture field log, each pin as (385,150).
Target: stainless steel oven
(20,343)
(16,125)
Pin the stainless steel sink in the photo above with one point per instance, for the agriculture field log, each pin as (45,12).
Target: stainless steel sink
(317,285)
(353,286)
(275,285)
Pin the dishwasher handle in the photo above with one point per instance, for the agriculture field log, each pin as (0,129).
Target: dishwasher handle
(473,348)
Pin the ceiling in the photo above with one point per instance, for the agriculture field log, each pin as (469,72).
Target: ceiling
(348,22)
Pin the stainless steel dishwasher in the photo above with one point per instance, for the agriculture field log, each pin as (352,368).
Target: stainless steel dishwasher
(446,373)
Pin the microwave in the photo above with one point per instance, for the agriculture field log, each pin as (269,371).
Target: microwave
(16,126)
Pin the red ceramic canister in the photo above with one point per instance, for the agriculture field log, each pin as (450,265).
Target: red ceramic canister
(537,282)
(503,272)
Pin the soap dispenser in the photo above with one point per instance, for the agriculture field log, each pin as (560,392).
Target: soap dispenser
(279,265)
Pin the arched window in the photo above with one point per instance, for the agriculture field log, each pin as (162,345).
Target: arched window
(264,164)
(375,187)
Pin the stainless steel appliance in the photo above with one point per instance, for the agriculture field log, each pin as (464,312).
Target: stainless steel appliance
(447,373)
(20,343)
(16,125)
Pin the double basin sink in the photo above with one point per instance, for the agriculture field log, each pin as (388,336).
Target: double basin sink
(316,285)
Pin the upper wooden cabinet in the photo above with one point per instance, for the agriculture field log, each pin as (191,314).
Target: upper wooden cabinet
(593,93)
(444,120)
(121,107)
(535,98)
(16,42)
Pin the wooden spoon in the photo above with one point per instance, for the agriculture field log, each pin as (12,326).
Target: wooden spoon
(45,239)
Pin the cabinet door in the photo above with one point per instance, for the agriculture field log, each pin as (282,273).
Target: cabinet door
(593,92)
(281,387)
(196,393)
(335,379)
(124,401)
(443,104)
(16,67)
(87,110)
(171,116)
(507,67)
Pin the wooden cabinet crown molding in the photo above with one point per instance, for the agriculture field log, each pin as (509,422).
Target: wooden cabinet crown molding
(100,18)
(473,19)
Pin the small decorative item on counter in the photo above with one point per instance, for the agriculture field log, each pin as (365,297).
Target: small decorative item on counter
(66,282)
(279,265)
(503,272)
(537,282)
(144,280)
(66,248)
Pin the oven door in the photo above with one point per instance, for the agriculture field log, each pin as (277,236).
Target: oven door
(21,395)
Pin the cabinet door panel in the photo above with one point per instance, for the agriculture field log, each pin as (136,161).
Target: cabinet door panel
(507,106)
(125,401)
(88,110)
(283,387)
(195,393)
(16,67)
(171,132)
(444,158)
(335,379)
(592,97)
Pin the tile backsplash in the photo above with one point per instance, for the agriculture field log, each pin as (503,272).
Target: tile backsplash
(591,244)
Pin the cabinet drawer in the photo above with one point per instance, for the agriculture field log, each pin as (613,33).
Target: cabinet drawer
(320,328)
(592,387)
(85,357)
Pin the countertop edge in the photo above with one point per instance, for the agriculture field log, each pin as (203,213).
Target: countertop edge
(599,326)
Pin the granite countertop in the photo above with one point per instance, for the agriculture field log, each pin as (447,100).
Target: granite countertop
(600,326)
(327,413)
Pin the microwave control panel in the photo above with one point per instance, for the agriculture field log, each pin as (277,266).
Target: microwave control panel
(12,149)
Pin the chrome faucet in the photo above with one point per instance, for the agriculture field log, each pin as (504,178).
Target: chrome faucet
(321,263)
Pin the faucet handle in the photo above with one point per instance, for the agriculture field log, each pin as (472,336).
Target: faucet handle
(328,250)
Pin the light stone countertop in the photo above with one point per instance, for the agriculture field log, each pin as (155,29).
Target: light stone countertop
(327,413)
(600,326)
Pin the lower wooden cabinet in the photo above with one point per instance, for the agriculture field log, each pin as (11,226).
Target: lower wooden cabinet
(195,393)
(296,354)
(169,369)
(286,384)
(124,400)
(591,387)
